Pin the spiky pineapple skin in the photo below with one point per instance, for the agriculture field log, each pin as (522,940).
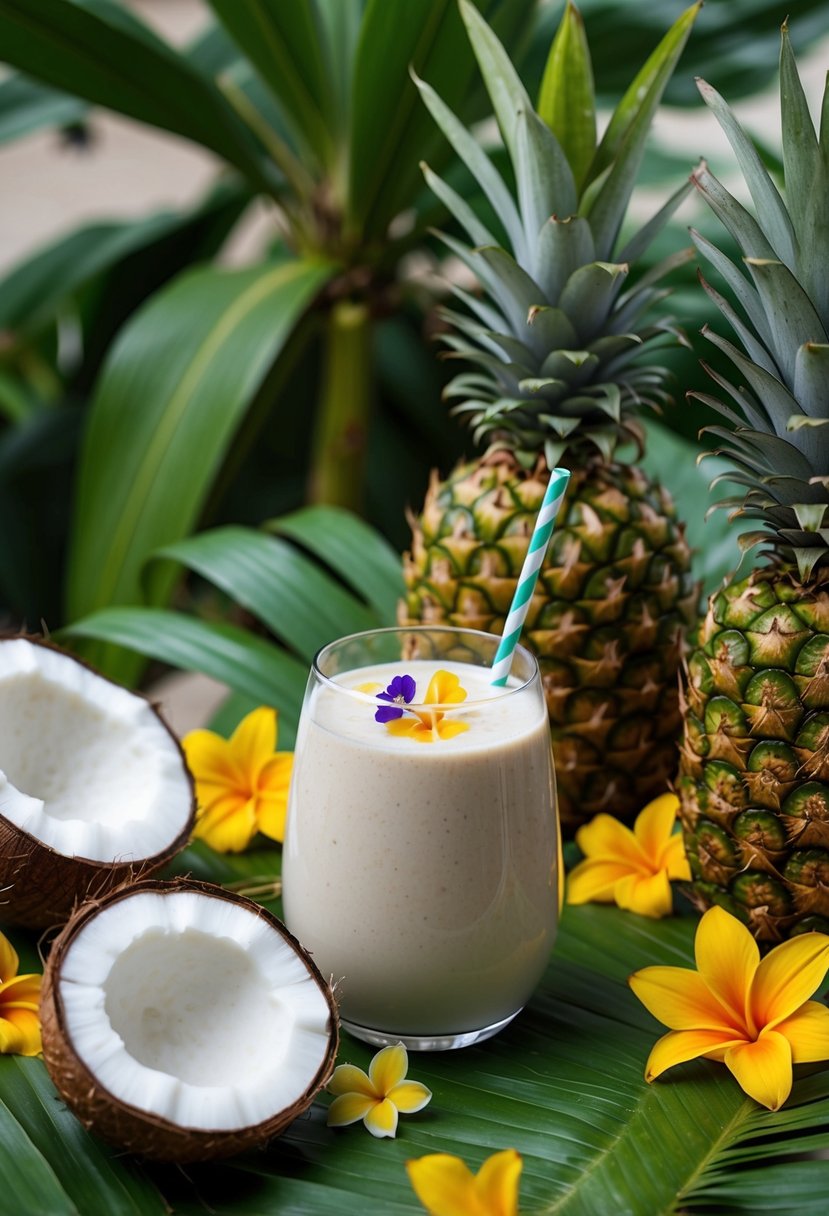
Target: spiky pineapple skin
(606,621)
(754,770)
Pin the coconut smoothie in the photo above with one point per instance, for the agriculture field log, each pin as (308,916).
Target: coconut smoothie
(422,874)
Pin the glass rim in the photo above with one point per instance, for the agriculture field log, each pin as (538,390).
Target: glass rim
(371,698)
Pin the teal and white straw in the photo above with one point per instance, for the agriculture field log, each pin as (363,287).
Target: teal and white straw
(529,575)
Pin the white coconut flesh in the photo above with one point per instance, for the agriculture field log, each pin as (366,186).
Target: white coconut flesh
(193,1009)
(85,766)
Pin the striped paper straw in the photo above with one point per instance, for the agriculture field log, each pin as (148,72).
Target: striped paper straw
(529,575)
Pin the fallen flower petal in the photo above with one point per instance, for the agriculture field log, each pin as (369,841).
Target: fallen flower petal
(241,782)
(378,1096)
(751,1015)
(631,868)
(446,1186)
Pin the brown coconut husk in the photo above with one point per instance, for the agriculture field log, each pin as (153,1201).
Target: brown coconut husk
(128,1127)
(39,887)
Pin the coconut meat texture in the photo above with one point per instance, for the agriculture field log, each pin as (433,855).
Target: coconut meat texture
(195,1010)
(87,768)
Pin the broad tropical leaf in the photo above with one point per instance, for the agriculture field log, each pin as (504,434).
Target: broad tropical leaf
(73,48)
(26,107)
(51,1166)
(283,42)
(33,289)
(159,430)
(233,656)
(391,131)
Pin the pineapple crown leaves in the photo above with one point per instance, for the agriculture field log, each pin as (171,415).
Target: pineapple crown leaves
(778,443)
(555,343)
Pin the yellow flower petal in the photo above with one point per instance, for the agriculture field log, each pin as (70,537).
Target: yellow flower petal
(727,957)
(272,799)
(655,823)
(9,961)
(679,1046)
(349,1108)
(275,775)
(681,999)
(25,1024)
(444,1185)
(254,741)
(594,880)
(787,977)
(388,1068)
(808,1033)
(605,837)
(381,1120)
(448,728)
(497,1182)
(674,859)
(211,762)
(409,1096)
(228,825)
(763,1069)
(646,895)
(348,1079)
(444,689)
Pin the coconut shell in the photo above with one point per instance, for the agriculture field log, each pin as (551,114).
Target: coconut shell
(39,887)
(127,1127)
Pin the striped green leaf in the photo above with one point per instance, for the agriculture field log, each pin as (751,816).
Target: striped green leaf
(160,427)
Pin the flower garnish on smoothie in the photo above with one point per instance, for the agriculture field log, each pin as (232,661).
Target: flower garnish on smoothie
(400,692)
(427,723)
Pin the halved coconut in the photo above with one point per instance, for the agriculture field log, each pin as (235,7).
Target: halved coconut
(183,1022)
(94,788)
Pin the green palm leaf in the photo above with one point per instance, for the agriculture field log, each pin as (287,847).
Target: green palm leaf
(564,1085)
(158,431)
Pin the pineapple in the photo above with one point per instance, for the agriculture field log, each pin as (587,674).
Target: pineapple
(556,378)
(754,780)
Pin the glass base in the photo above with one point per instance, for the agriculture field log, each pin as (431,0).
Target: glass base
(419,1042)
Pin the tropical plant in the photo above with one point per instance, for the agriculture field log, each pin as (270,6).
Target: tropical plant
(311,106)
(557,378)
(755,757)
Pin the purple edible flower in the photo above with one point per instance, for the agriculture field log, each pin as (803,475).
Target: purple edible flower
(400,691)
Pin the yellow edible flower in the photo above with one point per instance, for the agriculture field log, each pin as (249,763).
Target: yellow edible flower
(19,1003)
(753,1016)
(426,726)
(631,868)
(241,782)
(378,1096)
(447,1187)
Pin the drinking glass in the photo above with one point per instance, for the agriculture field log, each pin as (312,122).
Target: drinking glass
(420,869)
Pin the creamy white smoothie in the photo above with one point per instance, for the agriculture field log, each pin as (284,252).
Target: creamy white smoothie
(422,875)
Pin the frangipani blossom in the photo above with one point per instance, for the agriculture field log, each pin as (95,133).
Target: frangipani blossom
(446,1186)
(376,1097)
(241,782)
(19,1004)
(631,868)
(752,1015)
(430,725)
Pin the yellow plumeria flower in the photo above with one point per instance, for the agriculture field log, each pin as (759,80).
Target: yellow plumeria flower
(429,725)
(376,1097)
(631,868)
(753,1016)
(447,1187)
(241,782)
(19,1004)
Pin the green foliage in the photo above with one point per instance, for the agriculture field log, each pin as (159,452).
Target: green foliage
(564,1085)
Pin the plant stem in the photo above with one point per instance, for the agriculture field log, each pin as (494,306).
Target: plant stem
(339,451)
